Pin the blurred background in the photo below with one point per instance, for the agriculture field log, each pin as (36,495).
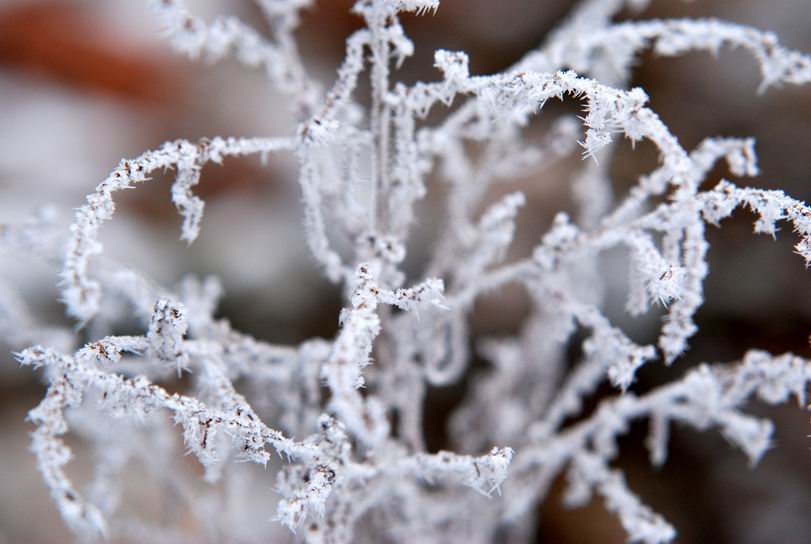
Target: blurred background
(85,83)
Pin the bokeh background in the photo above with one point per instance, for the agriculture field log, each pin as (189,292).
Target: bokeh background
(84,83)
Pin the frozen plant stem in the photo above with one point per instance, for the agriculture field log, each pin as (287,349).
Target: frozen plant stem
(345,415)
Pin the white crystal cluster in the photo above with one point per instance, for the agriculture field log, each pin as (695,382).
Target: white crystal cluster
(352,460)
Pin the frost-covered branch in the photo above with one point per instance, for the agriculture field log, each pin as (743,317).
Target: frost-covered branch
(710,396)
(279,58)
(609,52)
(130,398)
(359,467)
(365,417)
(82,294)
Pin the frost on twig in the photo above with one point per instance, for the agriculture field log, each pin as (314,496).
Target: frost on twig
(710,396)
(342,373)
(279,58)
(137,397)
(82,294)
(359,467)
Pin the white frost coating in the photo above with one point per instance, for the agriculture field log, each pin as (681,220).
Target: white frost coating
(81,294)
(279,57)
(640,522)
(166,332)
(617,46)
(705,397)
(359,468)
(360,324)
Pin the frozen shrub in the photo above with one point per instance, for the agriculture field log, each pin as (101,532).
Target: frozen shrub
(350,442)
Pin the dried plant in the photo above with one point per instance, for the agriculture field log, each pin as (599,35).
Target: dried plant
(360,468)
